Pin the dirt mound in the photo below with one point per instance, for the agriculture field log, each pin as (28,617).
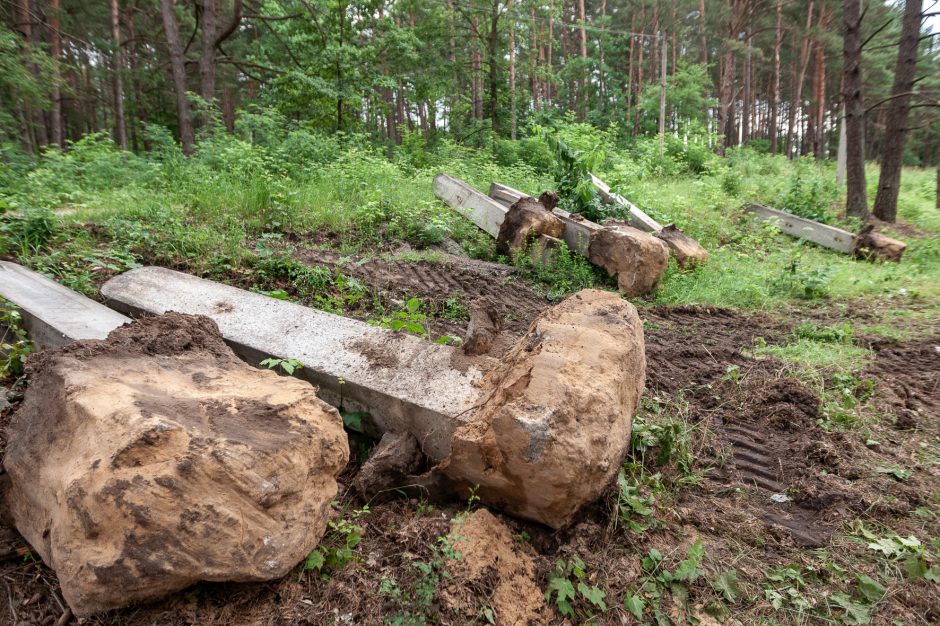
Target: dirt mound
(465,279)
(525,220)
(556,421)
(489,558)
(154,459)
(909,377)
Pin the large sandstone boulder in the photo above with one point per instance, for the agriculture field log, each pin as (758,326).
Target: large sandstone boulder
(554,422)
(154,459)
(638,259)
(870,245)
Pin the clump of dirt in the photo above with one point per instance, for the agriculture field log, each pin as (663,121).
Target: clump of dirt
(465,279)
(490,558)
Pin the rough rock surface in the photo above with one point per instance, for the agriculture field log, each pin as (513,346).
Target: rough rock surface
(870,245)
(488,552)
(485,324)
(154,459)
(396,457)
(687,252)
(638,259)
(555,421)
(524,221)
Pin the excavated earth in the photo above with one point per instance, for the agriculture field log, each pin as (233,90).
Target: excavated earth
(756,432)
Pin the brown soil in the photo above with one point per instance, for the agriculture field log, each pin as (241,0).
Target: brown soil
(436,282)
(756,433)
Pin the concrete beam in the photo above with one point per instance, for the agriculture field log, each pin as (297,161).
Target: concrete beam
(475,206)
(54,315)
(634,216)
(408,384)
(821,234)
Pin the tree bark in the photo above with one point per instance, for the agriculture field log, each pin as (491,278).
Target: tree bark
(703,41)
(892,156)
(796,104)
(512,73)
(178,68)
(775,90)
(207,54)
(856,203)
(583,92)
(55,49)
(117,63)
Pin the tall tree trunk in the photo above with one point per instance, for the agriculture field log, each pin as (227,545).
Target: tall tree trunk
(892,156)
(856,203)
(819,88)
(775,90)
(140,108)
(796,103)
(55,49)
(639,72)
(117,63)
(178,68)
(512,73)
(703,41)
(583,91)
(208,24)
(551,40)
(493,62)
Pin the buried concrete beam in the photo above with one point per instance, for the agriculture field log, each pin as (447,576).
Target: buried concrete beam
(54,315)
(408,384)
(820,234)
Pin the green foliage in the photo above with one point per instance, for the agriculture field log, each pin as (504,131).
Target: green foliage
(575,185)
(14,345)
(337,548)
(652,593)
(289,366)
(564,273)
(411,320)
(810,196)
(569,590)
(415,602)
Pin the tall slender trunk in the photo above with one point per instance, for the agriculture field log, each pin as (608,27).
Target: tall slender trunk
(583,90)
(512,73)
(895,135)
(551,40)
(55,49)
(209,25)
(178,68)
(140,109)
(775,90)
(117,63)
(796,103)
(493,62)
(856,203)
(819,88)
(639,72)
(703,41)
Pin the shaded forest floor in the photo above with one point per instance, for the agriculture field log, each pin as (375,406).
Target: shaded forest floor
(785,462)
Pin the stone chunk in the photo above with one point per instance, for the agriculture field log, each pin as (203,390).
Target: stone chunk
(154,459)
(396,457)
(524,222)
(555,421)
(485,324)
(870,245)
(638,259)
(687,252)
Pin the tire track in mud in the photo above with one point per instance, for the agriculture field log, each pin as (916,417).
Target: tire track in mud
(465,279)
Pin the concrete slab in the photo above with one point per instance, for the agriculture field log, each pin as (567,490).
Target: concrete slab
(54,315)
(821,234)
(408,384)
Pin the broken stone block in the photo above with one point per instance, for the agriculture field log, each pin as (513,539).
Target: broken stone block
(555,416)
(154,459)
(687,252)
(487,552)
(870,245)
(396,457)
(485,324)
(525,221)
(638,259)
